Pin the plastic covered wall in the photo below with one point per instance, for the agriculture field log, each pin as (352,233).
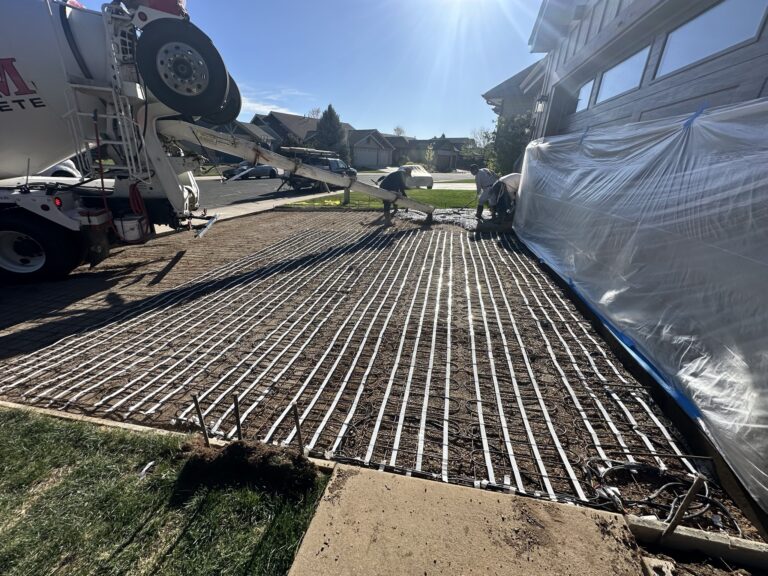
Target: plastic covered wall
(662,228)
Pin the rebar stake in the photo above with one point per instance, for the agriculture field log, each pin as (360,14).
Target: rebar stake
(297,422)
(680,512)
(201,419)
(237,417)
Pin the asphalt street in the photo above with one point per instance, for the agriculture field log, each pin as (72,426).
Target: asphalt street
(216,194)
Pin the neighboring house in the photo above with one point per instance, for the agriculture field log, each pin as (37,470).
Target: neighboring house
(612,62)
(445,154)
(255,132)
(292,129)
(370,149)
(259,121)
(462,142)
(400,145)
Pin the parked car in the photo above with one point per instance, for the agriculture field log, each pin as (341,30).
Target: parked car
(66,169)
(322,159)
(257,171)
(336,165)
(417,176)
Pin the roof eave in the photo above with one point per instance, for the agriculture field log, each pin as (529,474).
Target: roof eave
(553,18)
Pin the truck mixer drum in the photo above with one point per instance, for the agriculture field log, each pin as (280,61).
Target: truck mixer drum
(182,68)
(231,109)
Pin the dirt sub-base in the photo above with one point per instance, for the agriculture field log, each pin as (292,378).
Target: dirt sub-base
(372,523)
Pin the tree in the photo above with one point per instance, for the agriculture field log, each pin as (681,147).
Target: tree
(429,157)
(314,113)
(331,135)
(399,131)
(482,137)
(511,137)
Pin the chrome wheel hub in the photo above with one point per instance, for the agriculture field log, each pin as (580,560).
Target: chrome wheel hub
(182,69)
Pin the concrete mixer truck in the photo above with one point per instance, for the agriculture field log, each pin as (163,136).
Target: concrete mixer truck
(118,90)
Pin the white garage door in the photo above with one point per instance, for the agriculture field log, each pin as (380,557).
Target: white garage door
(367,157)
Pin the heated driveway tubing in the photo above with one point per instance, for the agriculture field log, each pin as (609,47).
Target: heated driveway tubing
(433,351)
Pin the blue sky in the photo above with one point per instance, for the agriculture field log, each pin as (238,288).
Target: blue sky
(421,64)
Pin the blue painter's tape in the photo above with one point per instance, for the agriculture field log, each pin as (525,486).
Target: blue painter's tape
(583,136)
(689,122)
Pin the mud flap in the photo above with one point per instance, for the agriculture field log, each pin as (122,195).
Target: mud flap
(96,243)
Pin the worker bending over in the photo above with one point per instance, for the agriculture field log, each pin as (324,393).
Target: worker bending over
(485,179)
(394,182)
(504,196)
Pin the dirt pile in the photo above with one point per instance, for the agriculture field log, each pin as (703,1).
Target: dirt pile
(247,464)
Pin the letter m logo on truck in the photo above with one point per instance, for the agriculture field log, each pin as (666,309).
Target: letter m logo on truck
(8,72)
(12,86)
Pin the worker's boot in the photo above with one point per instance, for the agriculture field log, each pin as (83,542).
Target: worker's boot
(479,213)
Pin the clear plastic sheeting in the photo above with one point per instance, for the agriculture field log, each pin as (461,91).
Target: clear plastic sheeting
(662,229)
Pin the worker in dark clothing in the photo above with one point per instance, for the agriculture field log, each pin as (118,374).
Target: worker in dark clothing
(394,182)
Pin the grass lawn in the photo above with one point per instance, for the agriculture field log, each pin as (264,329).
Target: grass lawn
(359,201)
(72,502)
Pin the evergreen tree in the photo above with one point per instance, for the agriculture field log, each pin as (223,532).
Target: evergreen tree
(331,135)
(512,136)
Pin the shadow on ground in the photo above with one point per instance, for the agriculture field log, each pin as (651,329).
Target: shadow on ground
(46,304)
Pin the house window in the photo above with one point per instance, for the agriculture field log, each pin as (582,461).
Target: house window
(582,102)
(726,24)
(623,77)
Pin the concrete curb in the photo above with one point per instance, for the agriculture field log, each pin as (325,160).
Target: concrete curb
(736,550)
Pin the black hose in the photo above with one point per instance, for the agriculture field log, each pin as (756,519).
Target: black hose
(72,44)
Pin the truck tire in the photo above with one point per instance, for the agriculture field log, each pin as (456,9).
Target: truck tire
(33,249)
(182,67)
(231,109)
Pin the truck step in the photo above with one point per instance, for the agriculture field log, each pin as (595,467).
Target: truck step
(90,115)
(106,142)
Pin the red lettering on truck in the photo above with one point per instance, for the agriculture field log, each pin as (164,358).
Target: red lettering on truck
(8,70)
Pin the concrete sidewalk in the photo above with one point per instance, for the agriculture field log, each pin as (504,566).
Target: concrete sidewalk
(376,523)
(451,186)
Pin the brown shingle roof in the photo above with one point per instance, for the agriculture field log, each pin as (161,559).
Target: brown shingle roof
(301,126)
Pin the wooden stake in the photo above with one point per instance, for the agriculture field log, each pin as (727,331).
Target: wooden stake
(237,417)
(297,422)
(201,419)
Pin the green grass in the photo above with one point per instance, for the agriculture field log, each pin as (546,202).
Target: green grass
(72,502)
(359,201)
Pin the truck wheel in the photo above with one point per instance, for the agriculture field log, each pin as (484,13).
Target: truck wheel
(231,109)
(34,249)
(182,68)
